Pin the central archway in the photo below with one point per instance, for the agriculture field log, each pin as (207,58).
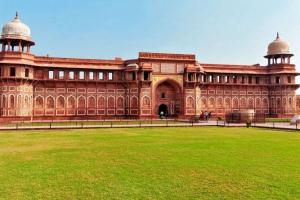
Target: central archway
(168,98)
(163,110)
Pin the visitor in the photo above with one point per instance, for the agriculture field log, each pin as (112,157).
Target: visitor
(161,114)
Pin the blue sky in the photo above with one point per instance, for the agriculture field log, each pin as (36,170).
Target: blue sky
(217,31)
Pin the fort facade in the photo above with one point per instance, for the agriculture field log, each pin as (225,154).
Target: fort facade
(43,87)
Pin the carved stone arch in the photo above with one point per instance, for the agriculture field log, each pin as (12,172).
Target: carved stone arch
(227,102)
(12,101)
(19,101)
(203,102)
(71,102)
(101,102)
(290,103)
(265,103)
(250,103)
(278,102)
(49,102)
(284,103)
(243,103)
(211,102)
(81,102)
(4,103)
(60,102)
(91,102)
(39,102)
(235,103)
(219,102)
(146,101)
(120,102)
(134,102)
(190,103)
(111,102)
(258,103)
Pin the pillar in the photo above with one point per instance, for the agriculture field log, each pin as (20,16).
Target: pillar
(8,44)
(20,46)
(28,48)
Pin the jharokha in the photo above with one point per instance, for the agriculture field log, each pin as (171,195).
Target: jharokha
(44,87)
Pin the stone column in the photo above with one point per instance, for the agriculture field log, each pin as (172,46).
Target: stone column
(28,49)
(20,46)
(8,43)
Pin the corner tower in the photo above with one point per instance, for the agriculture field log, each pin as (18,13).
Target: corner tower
(16,36)
(282,75)
(278,52)
(16,70)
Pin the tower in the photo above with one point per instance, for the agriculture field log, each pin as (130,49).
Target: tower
(278,52)
(16,71)
(282,75)
(16,36)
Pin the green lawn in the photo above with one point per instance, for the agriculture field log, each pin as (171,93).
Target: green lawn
(154,163)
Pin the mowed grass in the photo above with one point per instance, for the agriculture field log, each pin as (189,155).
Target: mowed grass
(152,163)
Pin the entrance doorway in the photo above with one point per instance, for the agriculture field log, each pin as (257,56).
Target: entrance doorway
(168,98)
(163,110)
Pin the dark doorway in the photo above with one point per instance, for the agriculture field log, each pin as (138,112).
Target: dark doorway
(163,110)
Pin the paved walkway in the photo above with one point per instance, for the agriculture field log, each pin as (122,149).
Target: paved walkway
(112,125)
(82,125)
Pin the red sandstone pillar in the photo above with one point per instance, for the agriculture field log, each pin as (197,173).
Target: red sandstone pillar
(8,43)
(20,46)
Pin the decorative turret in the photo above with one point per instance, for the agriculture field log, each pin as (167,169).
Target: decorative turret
(278,52)
(16,36)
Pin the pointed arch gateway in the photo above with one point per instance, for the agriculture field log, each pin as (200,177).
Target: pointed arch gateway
(167,94)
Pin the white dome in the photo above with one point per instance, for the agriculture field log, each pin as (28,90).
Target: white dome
(16,30)
(278,47)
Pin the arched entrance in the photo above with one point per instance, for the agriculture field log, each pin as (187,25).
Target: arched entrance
(163,110)
(168,98)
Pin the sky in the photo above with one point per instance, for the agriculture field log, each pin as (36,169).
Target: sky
(217,31)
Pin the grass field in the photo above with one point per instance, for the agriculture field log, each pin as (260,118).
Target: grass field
(165,163)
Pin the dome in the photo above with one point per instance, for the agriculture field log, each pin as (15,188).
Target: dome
(16,30)
(278,46)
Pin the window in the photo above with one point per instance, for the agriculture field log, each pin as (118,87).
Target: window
(81,75)
(234,79)
(146,76)
(12,71)
(226,78)
(219,79)
(250,79)
(71,75)
(61,74)
(243,80)
(257,80)
(100,75)
(203,78)
(277,79)
(289,79)
(26,72)
(211,78)
(51,74)
(133,78)
(190,77)
(110,76)
(91,75)
(163,95)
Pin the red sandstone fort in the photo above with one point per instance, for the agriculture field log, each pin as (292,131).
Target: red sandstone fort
(43,87)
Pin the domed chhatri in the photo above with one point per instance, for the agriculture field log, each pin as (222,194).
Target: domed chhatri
(278,52)
(16,29)
(16,36)
(278,46)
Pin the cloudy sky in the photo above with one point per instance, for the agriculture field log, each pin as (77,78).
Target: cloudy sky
(217,31)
